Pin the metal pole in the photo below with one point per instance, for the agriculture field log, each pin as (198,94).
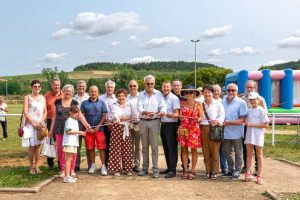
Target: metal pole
(298,131)
(273,128)
(6,90)
(195,67)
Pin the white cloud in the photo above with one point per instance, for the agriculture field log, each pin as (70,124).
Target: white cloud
(145,59)
(57,24)
(215,52)
(161,42)
(275,62)
(214,61)
(98,24)
(297,33)
(90,38)
(53,57)
(115,43)
(290,42)
(98,54)
(141,29)
(217,32)
(36,66)
(244,51)
(133,39)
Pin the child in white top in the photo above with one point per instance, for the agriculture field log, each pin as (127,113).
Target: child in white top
(256,122)
(70,141)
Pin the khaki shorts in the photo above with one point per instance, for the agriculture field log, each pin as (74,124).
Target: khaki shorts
(70,149)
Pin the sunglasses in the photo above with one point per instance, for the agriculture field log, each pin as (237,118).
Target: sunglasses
(150,84)
(189,92)
(249,87)
(36,86)
(132,86)
(229,90)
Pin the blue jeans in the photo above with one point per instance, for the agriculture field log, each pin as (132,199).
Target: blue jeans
(223,160)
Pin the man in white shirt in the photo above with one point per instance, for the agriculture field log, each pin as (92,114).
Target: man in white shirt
(132,98)
(168,132)
(3,110)
(80,97)
(109,99)
(151,106)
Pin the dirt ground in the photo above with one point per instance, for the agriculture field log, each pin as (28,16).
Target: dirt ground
(278,176)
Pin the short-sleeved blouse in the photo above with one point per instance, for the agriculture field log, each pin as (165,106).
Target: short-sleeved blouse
(62,115)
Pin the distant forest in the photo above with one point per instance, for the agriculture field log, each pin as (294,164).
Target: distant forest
(292,65)
(154,66)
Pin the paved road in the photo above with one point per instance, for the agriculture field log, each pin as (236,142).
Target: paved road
(278,176)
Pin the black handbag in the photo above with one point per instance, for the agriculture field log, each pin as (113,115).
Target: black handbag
(216,132)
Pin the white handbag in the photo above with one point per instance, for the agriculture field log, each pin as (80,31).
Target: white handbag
(25,142)
(27,133)
(49,148)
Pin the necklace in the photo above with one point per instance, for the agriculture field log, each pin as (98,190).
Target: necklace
(35,97)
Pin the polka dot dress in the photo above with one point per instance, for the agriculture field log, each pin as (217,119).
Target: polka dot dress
(120,149)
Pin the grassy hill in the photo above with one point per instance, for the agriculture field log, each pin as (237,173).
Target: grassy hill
(295,65)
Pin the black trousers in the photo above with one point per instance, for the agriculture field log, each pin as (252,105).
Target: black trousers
(4,127)
(168,134)
(245,150)
(50,161)
(107,134)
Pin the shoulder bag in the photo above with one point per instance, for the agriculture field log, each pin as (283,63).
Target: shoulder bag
(185,131)
(216,132)
(20,129)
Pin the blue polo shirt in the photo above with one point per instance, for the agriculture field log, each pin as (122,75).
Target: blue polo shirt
(93,112)
(233,111)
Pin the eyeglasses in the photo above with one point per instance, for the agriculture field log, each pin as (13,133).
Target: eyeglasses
(36,86)
(132,86)
(229,90)
(81,86)
(150,84)
(121,96)
(249,87)
(176,85)
(189,92)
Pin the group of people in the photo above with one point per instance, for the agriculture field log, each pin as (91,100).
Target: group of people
(123,126)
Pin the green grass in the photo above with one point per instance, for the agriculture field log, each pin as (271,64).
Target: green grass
(282,150)
(284,127)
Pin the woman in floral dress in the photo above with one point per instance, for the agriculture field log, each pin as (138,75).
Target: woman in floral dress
(35,112)
(194,109)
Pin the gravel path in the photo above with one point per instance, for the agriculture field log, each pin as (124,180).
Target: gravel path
(278,176)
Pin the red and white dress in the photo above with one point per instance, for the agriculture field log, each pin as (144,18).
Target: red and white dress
(194,138)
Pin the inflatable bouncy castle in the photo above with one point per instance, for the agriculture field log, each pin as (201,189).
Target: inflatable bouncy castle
(281,89)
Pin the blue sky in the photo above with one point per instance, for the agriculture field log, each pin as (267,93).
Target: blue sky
(234,34)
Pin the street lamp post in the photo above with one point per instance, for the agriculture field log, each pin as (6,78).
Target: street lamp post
(195,41)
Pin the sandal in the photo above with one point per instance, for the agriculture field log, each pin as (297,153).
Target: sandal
(32,171)
(61,175)
(184,176)
(38,171)
(207,175)
(213,176)
(73,174)
(192,176)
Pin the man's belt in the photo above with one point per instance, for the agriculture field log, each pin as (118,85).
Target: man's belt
(148,119)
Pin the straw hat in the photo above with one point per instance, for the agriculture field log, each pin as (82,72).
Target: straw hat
(41,133)
(189,88)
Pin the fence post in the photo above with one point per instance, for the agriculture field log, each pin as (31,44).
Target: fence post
(273,128)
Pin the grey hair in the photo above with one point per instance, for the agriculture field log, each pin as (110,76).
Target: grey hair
(81,81)
(232,84)
(217,87)
(251,81)
(55,79)
(177,80)
(110,82)
(149,77)
(93,86)
(68,85)
(133,80)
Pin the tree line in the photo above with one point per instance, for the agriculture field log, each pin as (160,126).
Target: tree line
(294,65)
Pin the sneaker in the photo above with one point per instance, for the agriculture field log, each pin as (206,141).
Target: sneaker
(69,180)
(248,177)
(227,175)
(92,170)
(103,170)
(129,174)
(243,170)
(224,171)
(256,172)
(235,176)
(117,174)
(260,180)
(75,179)
(143,172)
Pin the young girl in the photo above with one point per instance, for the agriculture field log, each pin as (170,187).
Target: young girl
(256,122)
(70,141)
